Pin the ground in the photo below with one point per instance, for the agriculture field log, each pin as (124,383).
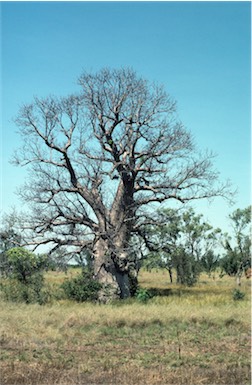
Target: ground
(198,335)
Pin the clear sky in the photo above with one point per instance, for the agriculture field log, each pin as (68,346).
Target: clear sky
(200,51)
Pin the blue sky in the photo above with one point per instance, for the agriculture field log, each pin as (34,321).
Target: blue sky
(200,51)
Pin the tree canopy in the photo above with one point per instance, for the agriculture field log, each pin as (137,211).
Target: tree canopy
(238,246)
(99,159)
(184,241)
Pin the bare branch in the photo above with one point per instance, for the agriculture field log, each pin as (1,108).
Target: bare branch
(96,158)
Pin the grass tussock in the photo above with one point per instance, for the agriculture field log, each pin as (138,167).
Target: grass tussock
(196,335)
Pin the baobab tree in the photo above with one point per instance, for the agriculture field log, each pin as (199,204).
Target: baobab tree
(99,161)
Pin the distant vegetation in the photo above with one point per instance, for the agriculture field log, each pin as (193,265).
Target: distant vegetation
(185,245)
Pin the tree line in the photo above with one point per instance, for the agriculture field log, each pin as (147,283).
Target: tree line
(189,245)
(185,243)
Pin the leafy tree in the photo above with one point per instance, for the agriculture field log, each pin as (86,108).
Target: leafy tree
(210,262)
(25,264)
(231,262)
(238,246)
(187,268)
(99,159)
(241,223)
(25,276)
(9,238)
(182,240)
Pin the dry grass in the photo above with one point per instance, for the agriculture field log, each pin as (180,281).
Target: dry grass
(192,336)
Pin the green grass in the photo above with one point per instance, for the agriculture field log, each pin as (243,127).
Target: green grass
(196,335)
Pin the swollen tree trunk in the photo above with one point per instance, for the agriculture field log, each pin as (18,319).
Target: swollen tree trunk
(111,270)
(104,271)
(112,265)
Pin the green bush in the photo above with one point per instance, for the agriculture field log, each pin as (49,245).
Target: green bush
(16,291)
(142,295)
(24,281)
(238,295)
(24,265)
(82,288)
(187,268)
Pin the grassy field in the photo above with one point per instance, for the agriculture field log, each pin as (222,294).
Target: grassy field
(188,336)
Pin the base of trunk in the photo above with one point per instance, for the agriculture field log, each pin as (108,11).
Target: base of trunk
(119,281)
(123,284)
(117,286)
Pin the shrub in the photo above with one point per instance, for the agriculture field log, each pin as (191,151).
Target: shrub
(238,295)
(143,295)
(16,291)
(187,267)
(82,288)
(23,264)
(25,280)
(230,263)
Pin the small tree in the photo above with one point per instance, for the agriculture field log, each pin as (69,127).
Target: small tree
(9,238)
(210,262)
(231,262)
(25,276)
(187,268)
(24,264)
(182,240)
(238,246)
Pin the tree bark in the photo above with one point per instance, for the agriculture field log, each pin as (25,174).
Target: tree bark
(104,271)
(111,270)
(112,266)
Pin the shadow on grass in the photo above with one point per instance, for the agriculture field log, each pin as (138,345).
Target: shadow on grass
(166,292)
(184,291)
(154,292)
